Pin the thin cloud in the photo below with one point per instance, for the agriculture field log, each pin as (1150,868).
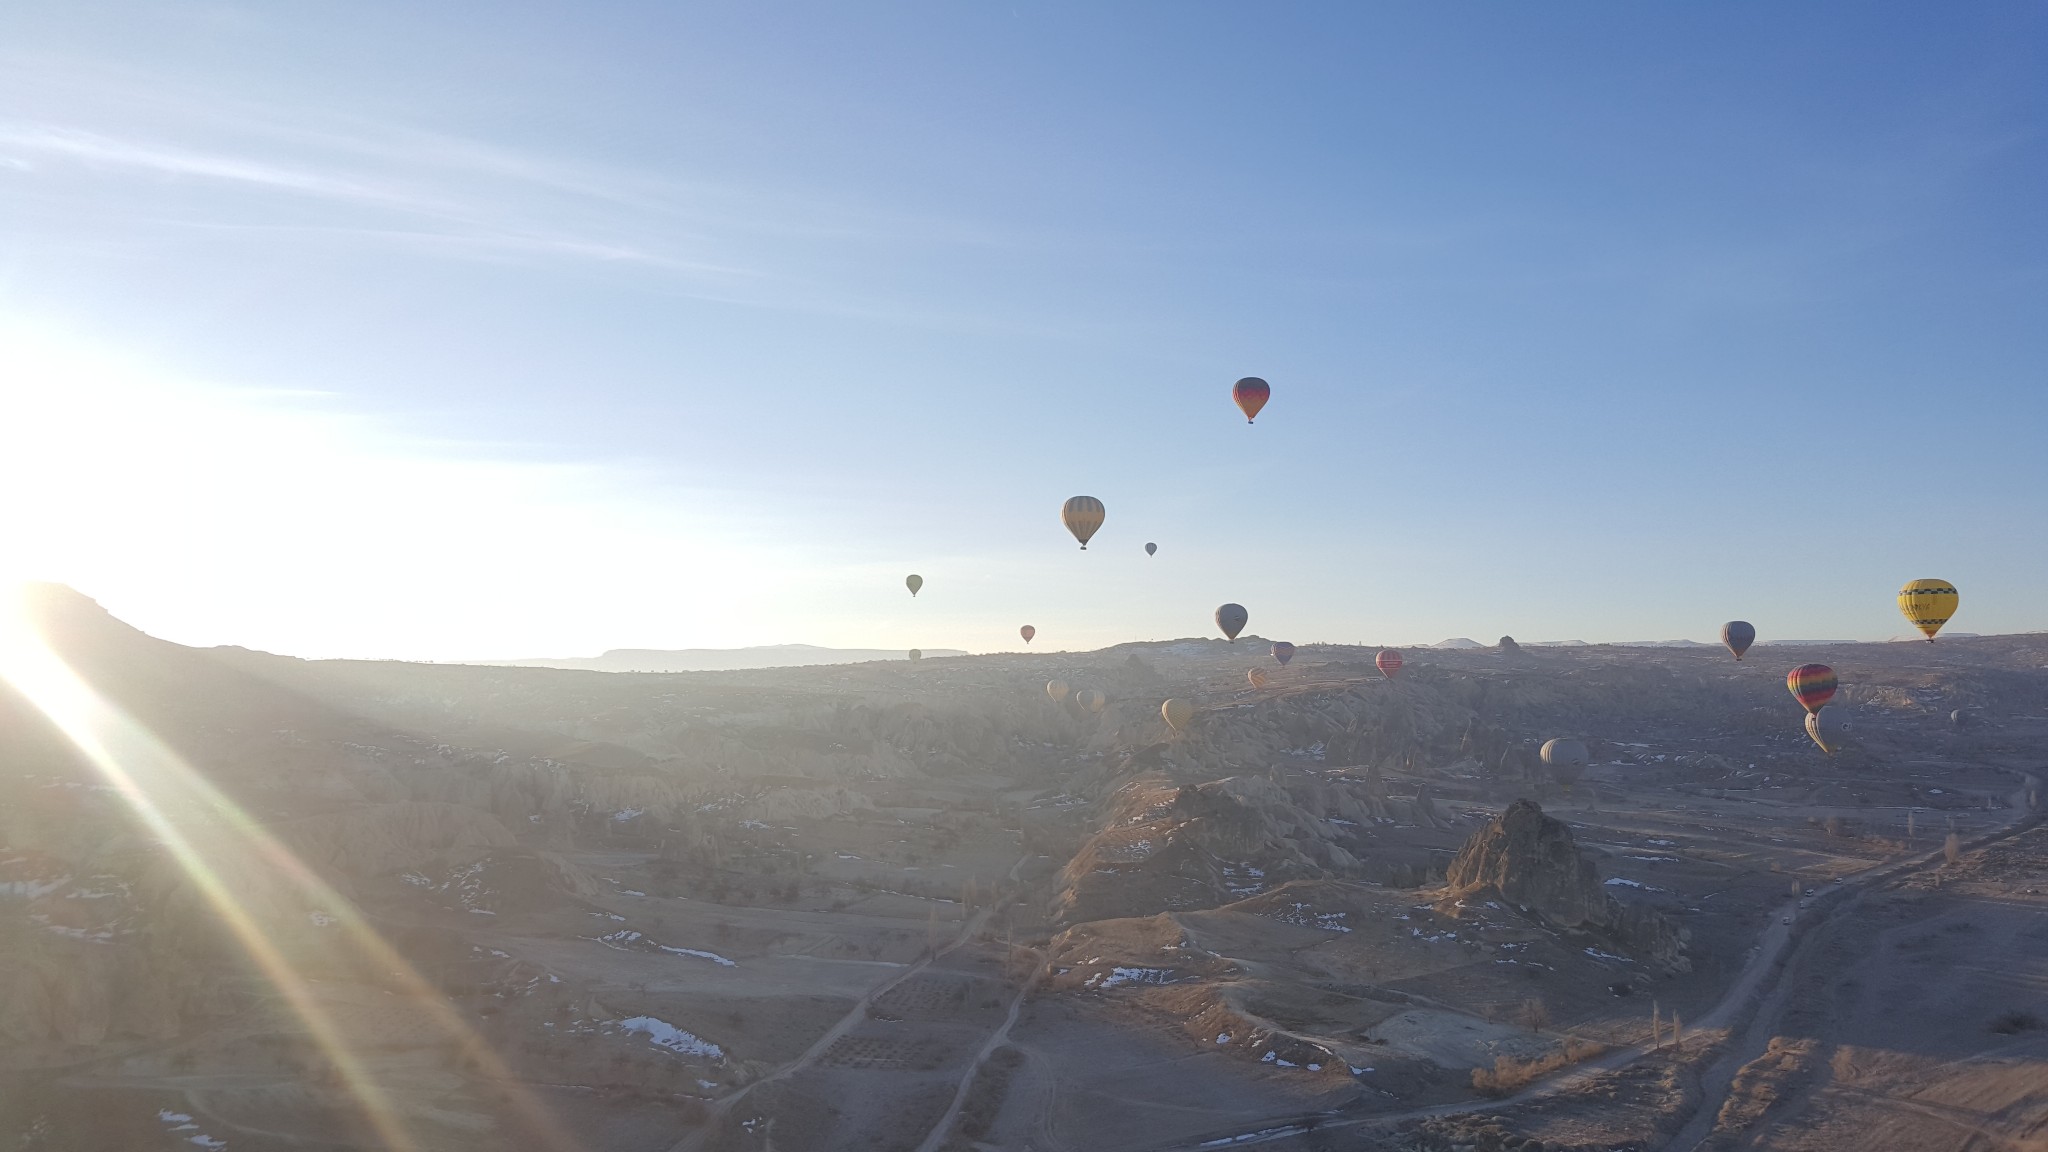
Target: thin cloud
(452,197)
(95,149)
(483,244)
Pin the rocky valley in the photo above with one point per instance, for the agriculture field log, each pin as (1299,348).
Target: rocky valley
(254,902)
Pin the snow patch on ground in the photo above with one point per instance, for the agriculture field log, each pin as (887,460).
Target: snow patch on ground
(665,1035)
(179,1123)
(1624,882)
(1120,975)
(714,957)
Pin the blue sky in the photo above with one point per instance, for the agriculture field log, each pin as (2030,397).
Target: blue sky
(492,330)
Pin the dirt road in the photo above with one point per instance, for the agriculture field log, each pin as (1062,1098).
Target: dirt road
(968,929)
(937,1135)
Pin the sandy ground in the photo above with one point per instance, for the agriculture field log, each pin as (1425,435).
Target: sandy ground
(1916,1019)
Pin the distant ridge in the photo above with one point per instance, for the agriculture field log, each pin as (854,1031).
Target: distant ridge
(718,659)
(1663,644)
(1458,642)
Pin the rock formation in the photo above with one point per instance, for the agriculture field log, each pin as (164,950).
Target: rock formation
(1529,860)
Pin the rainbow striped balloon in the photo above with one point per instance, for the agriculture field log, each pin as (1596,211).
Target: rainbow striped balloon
(1812,685)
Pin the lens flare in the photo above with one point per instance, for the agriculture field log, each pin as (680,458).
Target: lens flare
(213,840)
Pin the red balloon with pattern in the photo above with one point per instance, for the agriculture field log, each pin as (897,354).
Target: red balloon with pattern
(1251,394)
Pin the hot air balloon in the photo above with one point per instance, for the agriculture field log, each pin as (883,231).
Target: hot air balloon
(1082,515)
(1283,652)
(1388,662)
(1251,394)
(1566,760)
(1177,713)
(916,655)
(1230,618)
(1257,676)
(1151,549)
(1057,689)
(913,582)
(1827,729)
(1928,604)
(1738,635)
(1962,718)
(1092,699)
(1027,632)
(1812,684)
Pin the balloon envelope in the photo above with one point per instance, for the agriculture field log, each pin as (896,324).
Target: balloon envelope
(1230,618)
(1283,652)
(916,655)
(1738,635)
(1812,685)
(1151,549)
(1928,604)
(1257,676)
(1092,699)
(1082,515)
(1566,760)
(1027,632)
(1177,713)
(1962,718)
(1057,689)
(1828,730)
(1388,662)
(913,582)
(1251,394)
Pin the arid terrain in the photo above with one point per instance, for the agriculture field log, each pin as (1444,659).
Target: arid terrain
(259,903)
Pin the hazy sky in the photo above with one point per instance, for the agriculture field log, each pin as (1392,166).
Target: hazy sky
(498,329)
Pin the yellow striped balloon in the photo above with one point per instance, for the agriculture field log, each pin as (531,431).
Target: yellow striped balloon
(1928,604)
(1177,713)
(1082,515)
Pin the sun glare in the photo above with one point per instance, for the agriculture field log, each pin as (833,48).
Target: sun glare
(228,857)
(214,515)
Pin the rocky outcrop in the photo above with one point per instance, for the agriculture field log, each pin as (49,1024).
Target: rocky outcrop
(1158,844)
(1530,861)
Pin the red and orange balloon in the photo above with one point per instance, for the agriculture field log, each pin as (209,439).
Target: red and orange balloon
(1251,394)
